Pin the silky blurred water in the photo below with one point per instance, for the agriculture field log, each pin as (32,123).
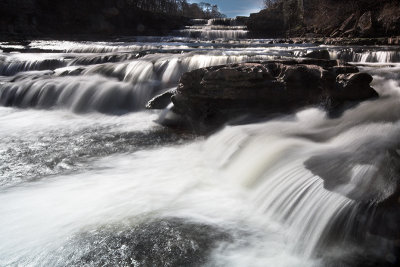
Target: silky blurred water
(88,178)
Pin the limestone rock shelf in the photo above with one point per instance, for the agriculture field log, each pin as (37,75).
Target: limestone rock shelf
(215,95)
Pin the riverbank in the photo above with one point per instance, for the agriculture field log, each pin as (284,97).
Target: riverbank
(106,24)
(333,22)
(97,19)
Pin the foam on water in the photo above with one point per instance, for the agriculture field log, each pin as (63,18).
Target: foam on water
(128,187)
(249,180)
(279,191)
(38,144)
(83,87)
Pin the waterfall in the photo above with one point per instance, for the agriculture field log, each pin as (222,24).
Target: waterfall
(227,29)
(224,21)
(137,80)
(87,93)
(12,65)
(365,55)
(270,159)
(358,55)
(146,73)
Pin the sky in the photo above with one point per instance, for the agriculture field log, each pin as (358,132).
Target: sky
(233,8)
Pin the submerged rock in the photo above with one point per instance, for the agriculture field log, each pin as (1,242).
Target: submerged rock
(214,95)
(369,175)
(163,242)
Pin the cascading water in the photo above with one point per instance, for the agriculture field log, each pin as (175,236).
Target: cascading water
(215,29)
(87,178)
(360,54)
(366,55)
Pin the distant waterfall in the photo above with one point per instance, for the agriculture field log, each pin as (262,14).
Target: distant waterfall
(365,55)
(215,29)
(359,54)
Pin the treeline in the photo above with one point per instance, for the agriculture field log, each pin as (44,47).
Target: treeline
(202,10)
(334,18)
(98,18)
(322,12)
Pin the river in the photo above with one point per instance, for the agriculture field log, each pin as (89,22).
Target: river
(87,177)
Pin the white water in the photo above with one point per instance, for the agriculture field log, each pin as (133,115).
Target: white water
(226,29)
(131,81)
(367,55)
(248,180)
(68,170)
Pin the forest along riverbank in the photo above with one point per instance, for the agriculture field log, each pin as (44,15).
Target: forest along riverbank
(337,22)
(88,177)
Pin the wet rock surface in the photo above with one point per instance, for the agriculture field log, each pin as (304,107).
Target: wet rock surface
(215,95)
(369,175)
(163,242)
(161,101)
(318,54)
(373,174)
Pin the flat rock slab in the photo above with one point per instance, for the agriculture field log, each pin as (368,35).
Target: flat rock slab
(214,95)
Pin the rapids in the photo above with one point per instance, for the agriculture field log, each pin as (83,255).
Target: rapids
(88,178)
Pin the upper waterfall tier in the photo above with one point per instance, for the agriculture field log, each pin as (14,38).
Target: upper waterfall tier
(225,28)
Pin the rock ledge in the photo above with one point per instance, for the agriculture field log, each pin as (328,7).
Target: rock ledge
(214,95)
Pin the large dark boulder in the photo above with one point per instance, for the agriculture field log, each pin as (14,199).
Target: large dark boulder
(214,95)
(353,87)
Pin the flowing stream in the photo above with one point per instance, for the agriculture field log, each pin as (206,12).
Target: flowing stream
(88,178)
